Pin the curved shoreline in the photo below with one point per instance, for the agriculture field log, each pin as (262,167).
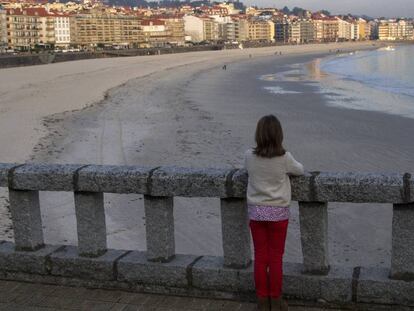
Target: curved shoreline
(55,88)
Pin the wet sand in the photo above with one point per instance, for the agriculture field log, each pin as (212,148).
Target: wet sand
(185,110)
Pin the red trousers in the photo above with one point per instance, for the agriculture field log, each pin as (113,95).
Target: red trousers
(269,245)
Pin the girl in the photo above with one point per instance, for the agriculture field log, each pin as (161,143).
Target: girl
(268,198)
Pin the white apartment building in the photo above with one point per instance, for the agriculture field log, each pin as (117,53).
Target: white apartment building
(344,29)
(194,27)
(301,31)
(355,31)
(3,30)
(201,28)
(62,30)
(401,30)
(294,32)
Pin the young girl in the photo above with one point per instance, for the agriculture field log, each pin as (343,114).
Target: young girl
(268,198)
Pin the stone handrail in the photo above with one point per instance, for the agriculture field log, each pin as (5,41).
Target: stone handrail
(160,269)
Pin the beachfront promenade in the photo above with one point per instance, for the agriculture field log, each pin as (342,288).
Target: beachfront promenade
(159,270)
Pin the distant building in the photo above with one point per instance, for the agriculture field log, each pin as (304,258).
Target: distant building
(282,31)
(374,29)
(24,27)
(241,28)
(261,30)
(62,29)
(175,25)
(201,28)
(215,10)
(156,33)
(364,29)
(344,29)
(326,28)
(3,30)
(100,28)
(395,30)
(306,31)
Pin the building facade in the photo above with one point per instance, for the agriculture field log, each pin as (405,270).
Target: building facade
(344,30)
(395,30)
(47,30)
(241,29)
(3,30)
(156,33)
(24,26)
(175,24)
(282,31)
(261,30)
(101,28)
(62,30)
(201,28)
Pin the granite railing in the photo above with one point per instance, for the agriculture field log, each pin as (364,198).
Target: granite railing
(160,270)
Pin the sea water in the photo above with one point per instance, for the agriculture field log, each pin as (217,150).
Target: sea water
(380,80)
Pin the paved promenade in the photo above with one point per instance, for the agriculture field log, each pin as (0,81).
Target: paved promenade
(16,296)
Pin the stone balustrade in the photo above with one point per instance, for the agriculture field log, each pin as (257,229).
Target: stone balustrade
(160,270)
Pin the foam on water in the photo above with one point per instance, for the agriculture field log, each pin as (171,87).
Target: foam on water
(279,90)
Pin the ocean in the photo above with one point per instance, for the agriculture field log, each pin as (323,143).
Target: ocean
(380,80)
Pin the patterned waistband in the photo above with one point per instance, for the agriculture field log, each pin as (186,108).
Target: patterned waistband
(268,213)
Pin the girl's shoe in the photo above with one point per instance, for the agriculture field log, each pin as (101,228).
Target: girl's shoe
(263,304)
(279,304)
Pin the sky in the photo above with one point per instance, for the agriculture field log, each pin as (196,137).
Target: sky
(374,8)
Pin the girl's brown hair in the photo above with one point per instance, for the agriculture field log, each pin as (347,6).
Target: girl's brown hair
(269,138)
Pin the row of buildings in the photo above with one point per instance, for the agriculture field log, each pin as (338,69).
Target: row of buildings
(25,26)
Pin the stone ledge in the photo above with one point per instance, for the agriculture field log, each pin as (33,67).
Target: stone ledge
(134,268)
(4,173)
(239,183)
(301,188)
(189,182)
(334,287)
(67,262)
(360,187)
(375,286)
(21,261)
(114,179)
(205,277)
(44,177)
(205,182)
(209,273)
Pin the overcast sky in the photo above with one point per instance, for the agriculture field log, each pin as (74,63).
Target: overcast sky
(375,8)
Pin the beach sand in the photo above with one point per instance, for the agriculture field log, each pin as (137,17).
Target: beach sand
(183,109)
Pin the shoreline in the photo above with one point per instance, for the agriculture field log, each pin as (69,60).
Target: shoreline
(52,58)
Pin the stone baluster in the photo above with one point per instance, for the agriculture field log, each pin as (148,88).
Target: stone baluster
(402,254)
(235,233)
(313,218)
(27,220)
(91,226)
(159,219)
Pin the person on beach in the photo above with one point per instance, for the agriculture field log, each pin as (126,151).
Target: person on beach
(268,198)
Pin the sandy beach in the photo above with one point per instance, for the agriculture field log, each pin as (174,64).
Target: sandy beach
(183,109)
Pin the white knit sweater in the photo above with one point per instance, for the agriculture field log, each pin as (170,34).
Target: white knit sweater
(269,182)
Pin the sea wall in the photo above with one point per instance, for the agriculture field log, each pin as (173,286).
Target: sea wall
(160,270)
(7,61)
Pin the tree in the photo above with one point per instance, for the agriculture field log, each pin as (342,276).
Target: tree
(298,11)
(286,10)
(325,12)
